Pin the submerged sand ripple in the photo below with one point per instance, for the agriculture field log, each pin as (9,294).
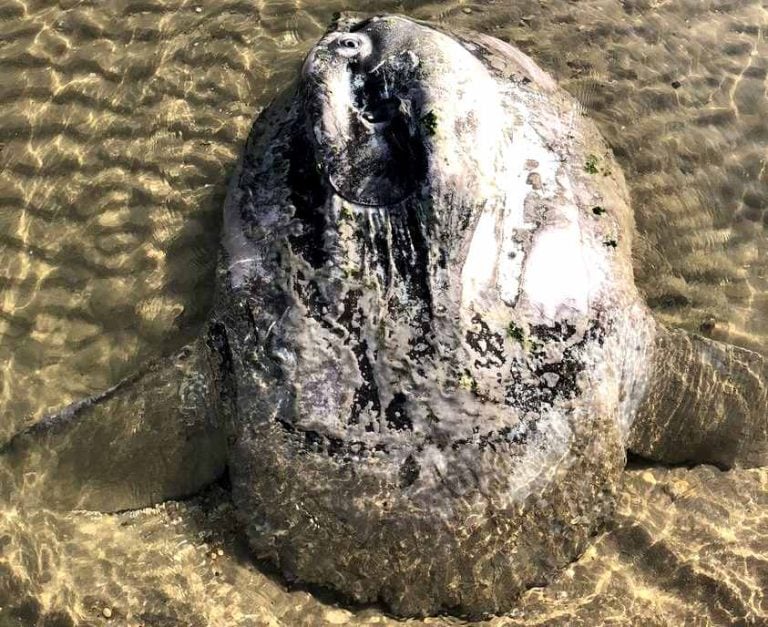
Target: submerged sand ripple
(687,547)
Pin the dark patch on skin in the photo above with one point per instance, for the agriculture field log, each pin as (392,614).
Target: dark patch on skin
(407,258)
(248,308)
(407,235)
(367,394)
(347,317)
(498,439)
(486,57)
(464,214)
(409,472)
(312,441)
(397,414)
(219,349)
(442,260)
(421,346)
(420,289)
(493,352)
(529,394)
(508,434)
(381,254)
(217,343)
(361,25)
(247,329)
(308,195)
(410,256)
(556,333)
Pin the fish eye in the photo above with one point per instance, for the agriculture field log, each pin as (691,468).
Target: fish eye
(351,43)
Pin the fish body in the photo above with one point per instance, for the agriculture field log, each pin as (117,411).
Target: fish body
(436,341)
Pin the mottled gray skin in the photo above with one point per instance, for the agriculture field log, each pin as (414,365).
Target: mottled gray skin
(396,440)
(427,355)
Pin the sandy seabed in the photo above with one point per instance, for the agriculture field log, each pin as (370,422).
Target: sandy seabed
(119,125)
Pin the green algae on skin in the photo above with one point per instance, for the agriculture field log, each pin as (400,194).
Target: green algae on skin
(429,122)
(592,166)
(515,332)
(381,332)
(346,213)
(533,345)
(467,382)
(529,343)
(352,272)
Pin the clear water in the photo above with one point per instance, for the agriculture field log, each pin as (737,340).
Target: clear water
(119,124)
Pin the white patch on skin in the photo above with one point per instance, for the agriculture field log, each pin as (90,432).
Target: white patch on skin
(478,271)
(527,145)
(556,276)
(565,271)
(495,260)
(339,101)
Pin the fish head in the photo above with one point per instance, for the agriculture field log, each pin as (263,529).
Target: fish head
(395,107)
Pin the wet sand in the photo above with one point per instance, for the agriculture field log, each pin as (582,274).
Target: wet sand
(688,547)
(119,125)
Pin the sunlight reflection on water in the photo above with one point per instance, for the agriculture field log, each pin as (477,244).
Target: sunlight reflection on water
(119,125)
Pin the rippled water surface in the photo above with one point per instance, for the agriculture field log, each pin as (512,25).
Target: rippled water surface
(120,122)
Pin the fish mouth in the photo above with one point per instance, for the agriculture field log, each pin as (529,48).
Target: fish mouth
(363,117)
(382,111)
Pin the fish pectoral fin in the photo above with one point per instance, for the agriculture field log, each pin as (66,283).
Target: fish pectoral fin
(152,437)
(707,403)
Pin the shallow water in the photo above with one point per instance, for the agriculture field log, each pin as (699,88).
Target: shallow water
(119,125)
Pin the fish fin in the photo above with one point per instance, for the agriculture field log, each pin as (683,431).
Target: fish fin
(707,403)
(152,437)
